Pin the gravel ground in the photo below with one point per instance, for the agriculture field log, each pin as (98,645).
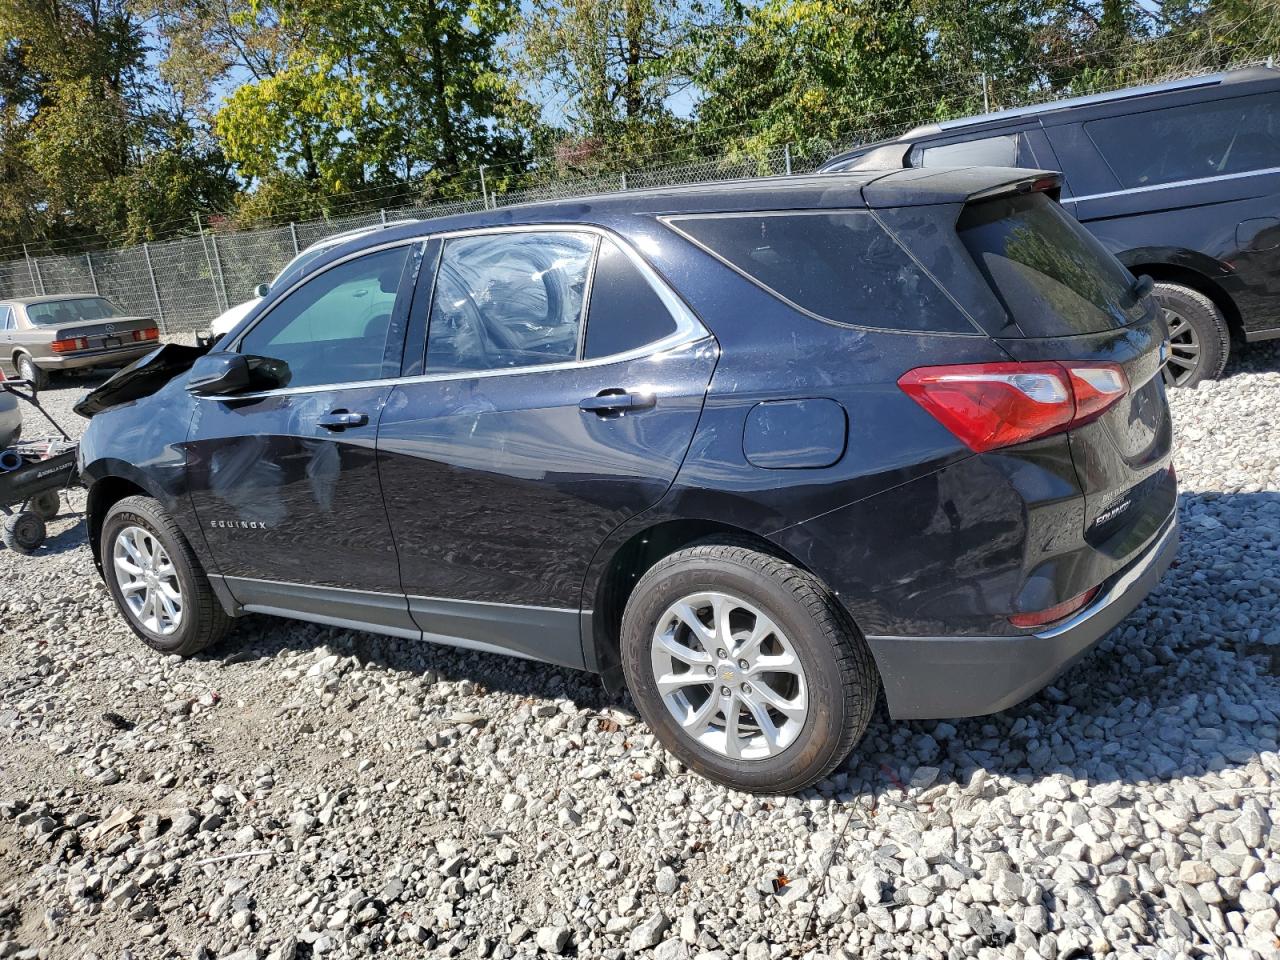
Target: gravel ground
(303,791)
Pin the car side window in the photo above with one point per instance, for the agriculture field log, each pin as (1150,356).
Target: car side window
(508,300)
(6,318)
(1192,141)
(333,328)
(1006,150)
(625,311)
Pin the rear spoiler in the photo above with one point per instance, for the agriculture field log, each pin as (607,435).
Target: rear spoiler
(919,186)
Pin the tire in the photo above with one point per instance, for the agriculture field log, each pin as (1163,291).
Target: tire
(1199,341)
(23,532)
(201,621)
(27,370)
(837,683)
(46,505)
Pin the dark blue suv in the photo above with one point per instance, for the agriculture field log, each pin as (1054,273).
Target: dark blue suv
(760,450)
(1180,180)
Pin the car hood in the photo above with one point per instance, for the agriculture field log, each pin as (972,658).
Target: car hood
(141,378)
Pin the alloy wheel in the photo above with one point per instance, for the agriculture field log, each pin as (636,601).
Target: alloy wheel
(729,676)
(1184,349)
(148,580)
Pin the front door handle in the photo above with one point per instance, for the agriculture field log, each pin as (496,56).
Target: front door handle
(341,419)
(616,402)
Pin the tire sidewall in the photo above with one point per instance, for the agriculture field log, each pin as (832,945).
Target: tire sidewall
(821,733)
(1210,328)
(136,516)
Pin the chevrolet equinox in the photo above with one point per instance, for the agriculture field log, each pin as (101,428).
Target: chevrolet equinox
(758,450)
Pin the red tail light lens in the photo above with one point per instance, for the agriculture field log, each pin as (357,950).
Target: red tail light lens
(992,405)
(1057,612)
(70,345)
(151,333)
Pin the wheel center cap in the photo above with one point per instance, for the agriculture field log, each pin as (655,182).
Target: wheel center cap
(728,673)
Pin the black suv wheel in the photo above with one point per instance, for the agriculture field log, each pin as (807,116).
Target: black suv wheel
(1198,338)
(746,668)
(156,580)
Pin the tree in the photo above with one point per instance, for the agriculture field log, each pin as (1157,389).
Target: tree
(378,94)
(605,72)
(816,72)
(89,146)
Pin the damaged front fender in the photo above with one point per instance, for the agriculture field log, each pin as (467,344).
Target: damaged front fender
(141,378)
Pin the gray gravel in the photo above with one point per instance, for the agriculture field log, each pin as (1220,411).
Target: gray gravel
(303,791)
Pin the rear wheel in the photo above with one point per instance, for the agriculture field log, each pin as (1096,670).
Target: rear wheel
(27,370)
(1199,341)
(156,580)
(746,668)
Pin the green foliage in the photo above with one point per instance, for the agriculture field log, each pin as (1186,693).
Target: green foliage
(87,148)
(375,94)
(119,119)
(607,70)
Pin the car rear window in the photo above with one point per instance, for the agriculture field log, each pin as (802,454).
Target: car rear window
(1050,273)
(53,313)
(843,267)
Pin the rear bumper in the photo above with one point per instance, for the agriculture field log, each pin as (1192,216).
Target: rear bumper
(99,358)
(938,677)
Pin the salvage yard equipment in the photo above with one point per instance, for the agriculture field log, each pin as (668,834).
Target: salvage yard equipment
(32,474)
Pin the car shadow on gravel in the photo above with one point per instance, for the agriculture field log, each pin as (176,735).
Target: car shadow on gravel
(1188,683)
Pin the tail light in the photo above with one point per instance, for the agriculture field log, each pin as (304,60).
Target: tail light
(1056,612)
(151,333)
(70,345)
(992,405)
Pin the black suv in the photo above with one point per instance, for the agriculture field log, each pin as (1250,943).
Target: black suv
(1180,180)
(760,449)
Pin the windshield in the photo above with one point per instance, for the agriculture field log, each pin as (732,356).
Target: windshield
(1053,277)
(59,312)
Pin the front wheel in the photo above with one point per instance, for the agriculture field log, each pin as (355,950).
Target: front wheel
(156,580)
(746,668)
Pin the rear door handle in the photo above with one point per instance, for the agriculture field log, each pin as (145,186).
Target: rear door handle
(341,419)
(617,402)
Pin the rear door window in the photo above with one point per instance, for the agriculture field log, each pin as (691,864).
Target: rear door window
(838,266)
(1192,141)
(508,300)
(1006,150)
(1052,276)
(625,312)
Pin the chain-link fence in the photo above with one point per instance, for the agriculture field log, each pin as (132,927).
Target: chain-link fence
(185,283)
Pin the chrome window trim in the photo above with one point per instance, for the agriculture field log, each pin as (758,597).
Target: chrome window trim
(1197,181)
(668,221)
(234,346)
(689,329)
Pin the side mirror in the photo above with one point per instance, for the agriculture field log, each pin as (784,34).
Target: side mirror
(261,290)
(218,375)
